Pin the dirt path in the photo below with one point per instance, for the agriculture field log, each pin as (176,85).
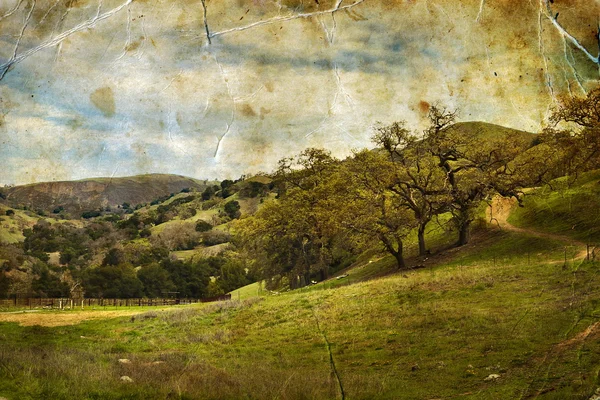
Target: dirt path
(498,214)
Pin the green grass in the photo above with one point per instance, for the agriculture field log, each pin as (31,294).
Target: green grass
(571,211)
(429,333)
(505,304)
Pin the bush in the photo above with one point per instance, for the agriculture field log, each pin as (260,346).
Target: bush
(203,226)
(232,209)
(213,238)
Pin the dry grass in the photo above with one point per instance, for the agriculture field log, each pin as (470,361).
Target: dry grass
(61,318)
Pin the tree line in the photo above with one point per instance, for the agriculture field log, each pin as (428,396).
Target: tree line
(329,210)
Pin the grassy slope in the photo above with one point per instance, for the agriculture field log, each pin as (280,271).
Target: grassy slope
(11,227)
(505,304)
(572,211)
(450,326)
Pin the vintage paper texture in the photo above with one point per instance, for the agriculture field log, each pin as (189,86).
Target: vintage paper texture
(218,88)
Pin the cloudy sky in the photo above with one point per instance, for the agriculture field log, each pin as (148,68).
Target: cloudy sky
(120,87)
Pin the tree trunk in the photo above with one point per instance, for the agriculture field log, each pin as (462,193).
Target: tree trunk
(463,233)
(400,259)
(421,235)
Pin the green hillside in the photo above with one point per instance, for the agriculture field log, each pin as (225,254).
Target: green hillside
(503,318)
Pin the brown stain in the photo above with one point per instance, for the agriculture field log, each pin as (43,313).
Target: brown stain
(424,106)
(75,3)
(270,86)
(247,111)
(104,99)
(134,45)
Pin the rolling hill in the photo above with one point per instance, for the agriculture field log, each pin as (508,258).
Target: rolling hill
(95,193)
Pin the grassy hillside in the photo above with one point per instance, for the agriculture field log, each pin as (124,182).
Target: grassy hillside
(568,207)
(486,131)
(503,317)
(487,322)
(95,193)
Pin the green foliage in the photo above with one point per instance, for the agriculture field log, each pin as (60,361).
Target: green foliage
(90,214)
(203,226)
(112,281)
(232,209)
(156,280)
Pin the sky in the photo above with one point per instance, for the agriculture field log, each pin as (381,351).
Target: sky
(214,89)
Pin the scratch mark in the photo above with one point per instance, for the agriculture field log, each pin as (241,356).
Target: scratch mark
(128,40)
(251,96)
(10,62)
(572,66)
(480,13)
(99,8)
(59,38)
(170,133)
(48,12)
(553,18)
(12,11)
(231,121)
(543,54)
(277,19)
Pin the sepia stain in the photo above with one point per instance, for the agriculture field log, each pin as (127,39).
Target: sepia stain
(134,45)
(424,107)
(247,111)
(104,100)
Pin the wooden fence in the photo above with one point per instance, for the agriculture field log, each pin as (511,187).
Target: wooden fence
(67,303)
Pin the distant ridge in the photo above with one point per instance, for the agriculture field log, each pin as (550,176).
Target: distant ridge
(98,193)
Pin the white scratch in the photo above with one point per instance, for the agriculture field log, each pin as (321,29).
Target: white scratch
(12,11)
(480,13)
(250,96)
(48,12)
(552,17)
(545,59)
(231,121)
(128,40)
(277,19)
(10,62)
(59,38)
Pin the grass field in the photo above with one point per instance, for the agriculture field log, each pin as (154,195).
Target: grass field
(504,317)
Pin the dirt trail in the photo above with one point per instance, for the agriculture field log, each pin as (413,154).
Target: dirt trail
(499,211)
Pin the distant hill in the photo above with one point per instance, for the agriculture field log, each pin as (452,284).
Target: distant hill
(96,193)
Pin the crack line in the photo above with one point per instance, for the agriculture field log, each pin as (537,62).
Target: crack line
(549,14)
(232,120)
(573,70)
(16,49)
(543,54)
(11,12)
(59,38)
(206,22)
(286,18)
(128,40)
(480,13)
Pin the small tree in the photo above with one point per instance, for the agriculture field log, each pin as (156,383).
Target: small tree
(232,209)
